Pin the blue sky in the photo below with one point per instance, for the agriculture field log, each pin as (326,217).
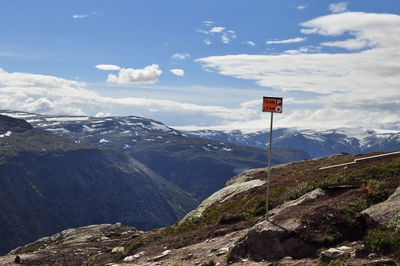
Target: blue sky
(205,63)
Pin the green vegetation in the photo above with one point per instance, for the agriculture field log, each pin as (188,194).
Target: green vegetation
(336,262)
(375,191)
(302,189)
(92,261)
(377,172)
(394,224)
(209,263)
(32,247)
(383,241)
(118,257)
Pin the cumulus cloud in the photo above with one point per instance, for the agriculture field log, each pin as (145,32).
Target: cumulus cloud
(338,7)
(108,67)
(294,40)
(180,56)
(178,72)
(128,76)
(352,88)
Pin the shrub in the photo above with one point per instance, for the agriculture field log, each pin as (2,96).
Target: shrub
(375,192)
(93,260)
(209,263)
(383,242)
(302,189)
(394,223)
(118,257)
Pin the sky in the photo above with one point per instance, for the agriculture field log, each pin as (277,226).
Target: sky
(205,64)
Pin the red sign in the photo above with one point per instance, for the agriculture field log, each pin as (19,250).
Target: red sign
(272,104)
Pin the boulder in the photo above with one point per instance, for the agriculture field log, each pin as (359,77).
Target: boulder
(298,228)
(223,195)
(268,241)
(384,211)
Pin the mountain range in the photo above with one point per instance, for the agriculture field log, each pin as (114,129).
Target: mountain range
(198,166)
(318,143)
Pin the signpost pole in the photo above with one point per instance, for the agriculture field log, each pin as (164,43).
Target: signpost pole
(271,105)
(269,165)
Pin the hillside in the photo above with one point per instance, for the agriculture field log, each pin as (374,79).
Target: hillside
(318,143)
(316,217)
(49,184)
(198,166)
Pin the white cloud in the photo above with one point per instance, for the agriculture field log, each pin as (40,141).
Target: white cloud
(350,44)
(207,41)
(178,72)
(251,43)
(128,76)
(301,7)
(216,29)
(53,95)
(338,7)
(225,39)
(294,40)
(208,22)
(80,16)
(83,16)
(180,56)
(225,35)
(108,67)
(359,88)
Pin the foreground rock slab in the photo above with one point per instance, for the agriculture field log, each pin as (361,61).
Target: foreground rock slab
(384,211)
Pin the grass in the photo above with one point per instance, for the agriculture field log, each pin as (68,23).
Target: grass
(376,172)
(32,247)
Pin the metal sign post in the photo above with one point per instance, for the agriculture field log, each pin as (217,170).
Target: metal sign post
(271,105)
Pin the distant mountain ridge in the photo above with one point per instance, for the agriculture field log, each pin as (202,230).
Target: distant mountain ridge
(198,166)
(318,143)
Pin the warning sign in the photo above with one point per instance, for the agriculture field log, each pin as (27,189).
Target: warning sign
(272,104)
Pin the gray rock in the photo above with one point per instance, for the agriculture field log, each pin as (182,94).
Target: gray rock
(334,253)
(118,249)
(384,211)
(270,241)
(223,195)
(267,241)
(76,236)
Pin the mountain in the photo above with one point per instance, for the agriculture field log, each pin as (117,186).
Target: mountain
(198,166)
(49,183)
(317,143)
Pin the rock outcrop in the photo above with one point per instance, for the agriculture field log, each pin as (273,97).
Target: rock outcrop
(298,229)
(223,195)
(384,211)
